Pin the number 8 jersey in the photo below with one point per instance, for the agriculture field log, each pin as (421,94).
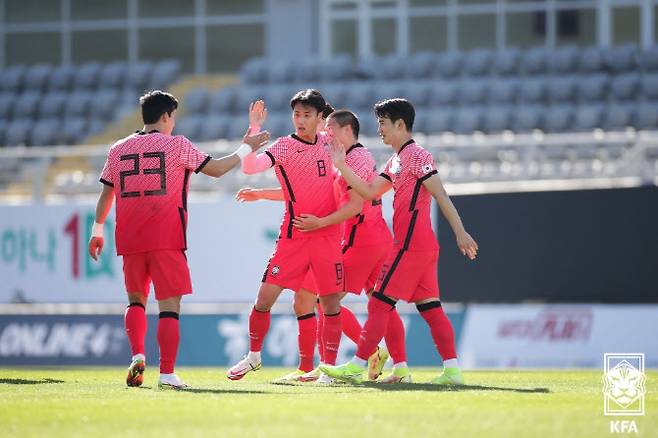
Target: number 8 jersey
(150,175)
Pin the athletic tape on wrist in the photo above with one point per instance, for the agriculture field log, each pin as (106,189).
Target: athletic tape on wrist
(243,151)
(97,230)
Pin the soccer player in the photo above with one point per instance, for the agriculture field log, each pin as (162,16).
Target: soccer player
(303,167)
(410,273)
(148,172)
(366,244)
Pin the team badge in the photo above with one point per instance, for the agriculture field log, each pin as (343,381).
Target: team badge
(275,271)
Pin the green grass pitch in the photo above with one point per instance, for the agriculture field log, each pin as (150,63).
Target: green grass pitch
(95,402)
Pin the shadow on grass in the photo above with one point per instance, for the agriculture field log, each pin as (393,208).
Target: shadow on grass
(28,381)
(459,388)
(216,391)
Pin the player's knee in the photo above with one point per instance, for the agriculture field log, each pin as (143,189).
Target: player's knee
(424,306)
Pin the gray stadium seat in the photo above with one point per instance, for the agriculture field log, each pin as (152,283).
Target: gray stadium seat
(619,116)
(593,87)
(7,102)
(3,129)
(419,65)
(17,132)
(337,68)
(478,62)
(113,75)
(468,120)
(279,72)
(648,59)
(592,60)
(214,127)
(103,104)
(588,117)
(392,67)
(45,132)
(335,94)
(238,125)
(359,95)
(52,105)
(418,92)
(61,78)
(306,70)
(564,59)
(369,68)
(73,130)
(507,62)
(650,86)
(561,88)
(197,101)
(12,78)
(558,118)
(248,94)
(439,120)
(498,118)
(277,98)
(621,58)
(532,90)
(224,100)
(625,86)
(388,90)
(534,61)
(164,73)
(37,76)
(254,71)
(138,75)
(78,104)
(94,126)
(279,124)
(443,92)
(646,116)
(86,76)
(26,105)
(420,122)
(527,117)
(190,126)
(502,90)
(448,64)
(368,124)
(472,91)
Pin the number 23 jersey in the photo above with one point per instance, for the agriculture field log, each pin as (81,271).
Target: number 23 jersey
(150,175)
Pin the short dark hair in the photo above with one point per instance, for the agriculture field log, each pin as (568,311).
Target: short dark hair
(155,103)
(309,97)
(346,117)
(328,109)
(397,109)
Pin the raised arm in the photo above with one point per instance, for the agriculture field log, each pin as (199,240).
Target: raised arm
(467,245)
(256,163)
(103,207)
(308,222)
(368,190)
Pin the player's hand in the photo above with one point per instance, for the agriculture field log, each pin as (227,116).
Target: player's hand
(257,113)
(467,245)
(256,141)
(337,153)
(307,222)
(247,194)
(96,247)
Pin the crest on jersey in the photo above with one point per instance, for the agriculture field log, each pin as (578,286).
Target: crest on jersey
(395,165)
(427,168)
(275,270)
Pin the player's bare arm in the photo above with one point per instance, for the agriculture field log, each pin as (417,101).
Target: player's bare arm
(248,194)
(368,190)
(308,222)
(466,244)
(250,143)
(103,207)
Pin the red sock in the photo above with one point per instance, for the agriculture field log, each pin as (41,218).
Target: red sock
(441,328)
(168,337)
(332,332)
(320,330)
(135,322)
(259,323)
(375,326)
(307,331)
(351,326)
(395,337)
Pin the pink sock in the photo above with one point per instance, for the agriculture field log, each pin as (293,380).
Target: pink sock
(259,323)
(307,331)
(441,328)
(331,335)
(168,338)
(135,323)
(375,326)
(350,324)
(395,337)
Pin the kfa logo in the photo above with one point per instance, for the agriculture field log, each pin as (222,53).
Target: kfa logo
(623,389)
(275,271)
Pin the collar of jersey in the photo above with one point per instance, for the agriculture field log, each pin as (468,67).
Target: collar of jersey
(304,141)
(354,146)
(152,131)
(405,145)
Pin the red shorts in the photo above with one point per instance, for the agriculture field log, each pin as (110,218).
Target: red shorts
(293,259)
(411,276)
(166,268)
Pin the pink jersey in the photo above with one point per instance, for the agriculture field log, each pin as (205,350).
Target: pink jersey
(306,175)
(150,174)
(412,223)
(368,227)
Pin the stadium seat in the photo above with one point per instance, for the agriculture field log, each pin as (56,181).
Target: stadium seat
(197,101)
(468,120)
(443,92)
(190,126)
(592,60)
(558,118)
(420,122)
(94,126)
(335,94)
(534,61)
(507,62)
(248,94)
(214,127)
(593,87)
(306,70)
(78,104)
(52,105)
(339,68)
(86,76)
(61,78)
(625,86)
(497,118)
(7,102)
(164,73)
(472,91)
(448,64)
(564,59)
(561,88)
(3,130)
(369,68)
(36,77)
(646,116)
(238,125)
(45,132)
(12,78)
(389,90)
(418,92)
(254,71)
(621,58)
(649,83)
(392,67)
(619,116)
(223,100)
(113,75)
(359,95)
(103,104)
(419,65)
(502,90)
(277,98)
(588,117)
(73,129)
(527,118)
(439,120)
(532,90)
(279,72)
(17,132)
(26,105)
(138,75)
(368,124)
(648,59)
(478,62)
